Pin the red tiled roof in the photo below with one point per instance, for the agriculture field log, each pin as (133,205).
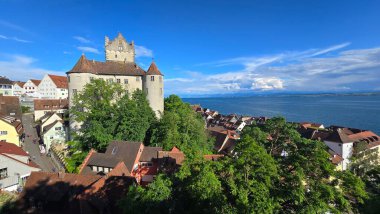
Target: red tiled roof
(19,83)
(59,81)
(35,82)
(51,104)
(153,70)
(10,148)
(120,170)
(108,68)
(85,161)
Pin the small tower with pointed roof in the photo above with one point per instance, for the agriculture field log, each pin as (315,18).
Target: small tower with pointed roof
(153,85)
(119,49)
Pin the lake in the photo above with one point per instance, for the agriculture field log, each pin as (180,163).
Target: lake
(356,111)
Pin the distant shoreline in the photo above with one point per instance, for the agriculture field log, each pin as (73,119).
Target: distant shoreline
(327,94)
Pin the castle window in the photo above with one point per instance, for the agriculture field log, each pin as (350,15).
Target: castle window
(120,48)
(152,78)
(118,80)
(137,79)
(160,78)
(68,78)
(91,78)
(161,91)
(115,55)
(125,81)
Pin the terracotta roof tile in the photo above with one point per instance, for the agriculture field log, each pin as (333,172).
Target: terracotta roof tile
(107,68)
(59,81)
(10,148)
(36,82)
(153,70)
(50,104)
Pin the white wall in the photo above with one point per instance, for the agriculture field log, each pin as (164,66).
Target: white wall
(343,149)
(58,136)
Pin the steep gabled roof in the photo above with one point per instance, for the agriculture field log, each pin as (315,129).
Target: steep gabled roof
(106,68)
(36,82)
(59,81)
(51,125)
(124,151)
(12,149)
(153,70)
(19,83)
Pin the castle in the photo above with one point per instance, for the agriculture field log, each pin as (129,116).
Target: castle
(119,67)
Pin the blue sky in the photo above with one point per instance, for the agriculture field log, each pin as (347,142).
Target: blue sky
(204,47)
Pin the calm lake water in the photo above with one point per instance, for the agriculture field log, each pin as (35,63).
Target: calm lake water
(356,111)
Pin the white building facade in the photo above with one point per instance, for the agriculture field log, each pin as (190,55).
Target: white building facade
(53,87)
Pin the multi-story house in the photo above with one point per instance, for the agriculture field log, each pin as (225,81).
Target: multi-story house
(31,88)
(11,130)
(54,133)
(120,68)
(18,88)
(53,87)
(15,166)
(45,106)
(6,86)
(141,162)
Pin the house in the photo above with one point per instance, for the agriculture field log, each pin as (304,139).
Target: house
(18,88)
(239,126)
(312,125)
(142,162)
(6,86)
(10,106)
(44,106)
(31,88)
(225,139)
(11,130)
(61,192)
(53,87)
(15,166)
(343,141)
(54,133)
(49,118)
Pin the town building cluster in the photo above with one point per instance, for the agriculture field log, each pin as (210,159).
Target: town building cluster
(342,142)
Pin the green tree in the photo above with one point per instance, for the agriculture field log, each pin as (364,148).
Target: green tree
(106,113)
(305,171)
(249,178)
(180,126)
(152,199)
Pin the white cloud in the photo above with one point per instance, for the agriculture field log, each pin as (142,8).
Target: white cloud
(268,83)
(13,26)
(142,51)
(305,70)
(20,67)
(88,49)
(81,39)
(14,39)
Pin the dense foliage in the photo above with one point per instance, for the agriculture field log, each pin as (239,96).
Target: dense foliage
(180,126)
(273,170)
(107,113)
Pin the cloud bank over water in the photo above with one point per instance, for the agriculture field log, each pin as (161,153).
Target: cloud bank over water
(327,69)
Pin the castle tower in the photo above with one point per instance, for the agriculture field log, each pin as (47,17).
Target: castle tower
(153,85)
(119,49)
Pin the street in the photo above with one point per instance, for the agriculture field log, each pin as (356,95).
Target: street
(42,160)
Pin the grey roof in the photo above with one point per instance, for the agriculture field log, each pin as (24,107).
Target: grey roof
(124,151)
(104,160)
(149,153)
(5,81)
